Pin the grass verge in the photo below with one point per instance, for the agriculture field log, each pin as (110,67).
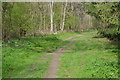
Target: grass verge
(89,58)
(22,57)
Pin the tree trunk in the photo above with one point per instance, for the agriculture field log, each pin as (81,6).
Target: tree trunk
(44,18)
(51,15)
(63,23)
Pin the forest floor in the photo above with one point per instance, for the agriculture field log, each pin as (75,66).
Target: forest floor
(64,55)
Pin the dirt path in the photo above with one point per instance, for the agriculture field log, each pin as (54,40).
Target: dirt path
(72,37)
(53,67)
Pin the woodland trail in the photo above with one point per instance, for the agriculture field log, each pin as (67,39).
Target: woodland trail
(53,67)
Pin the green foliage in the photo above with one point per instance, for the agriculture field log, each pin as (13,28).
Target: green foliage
(57,15)
(108,15)
(71,21)
(15,18)
(22,19)
(19,15)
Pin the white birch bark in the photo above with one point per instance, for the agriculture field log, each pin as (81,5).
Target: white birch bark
(44,17)
(64,13)
(51,15)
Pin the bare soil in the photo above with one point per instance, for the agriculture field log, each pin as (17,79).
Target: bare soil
(53,67)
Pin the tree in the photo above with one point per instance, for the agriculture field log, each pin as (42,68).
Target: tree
(107,14)
(51,15)
(23,19)
(64,13)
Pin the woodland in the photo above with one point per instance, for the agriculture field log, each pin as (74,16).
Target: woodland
(60,39)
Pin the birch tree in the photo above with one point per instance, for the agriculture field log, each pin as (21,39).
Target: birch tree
(63,22)
(51,15)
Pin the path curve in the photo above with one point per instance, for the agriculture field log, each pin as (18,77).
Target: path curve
(53,67)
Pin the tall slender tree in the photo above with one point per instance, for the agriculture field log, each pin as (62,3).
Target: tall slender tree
(51,15)
(64,14)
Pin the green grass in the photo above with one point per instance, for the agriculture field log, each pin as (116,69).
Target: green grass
(65,35)
(89,58)
(20,55)
(21,58)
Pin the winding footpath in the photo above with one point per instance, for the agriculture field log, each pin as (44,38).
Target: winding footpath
(53,67)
